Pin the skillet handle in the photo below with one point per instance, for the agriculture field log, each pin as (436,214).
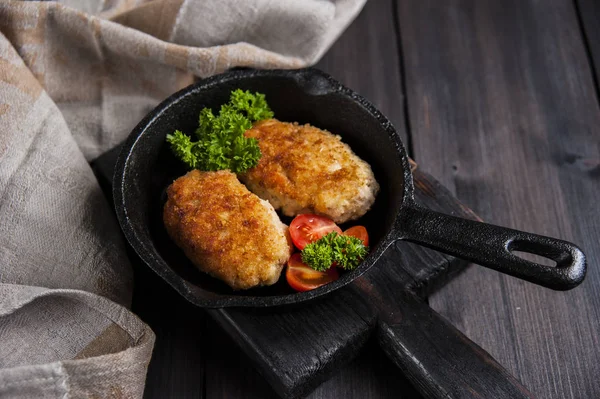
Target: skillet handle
(438,359)
(492,246)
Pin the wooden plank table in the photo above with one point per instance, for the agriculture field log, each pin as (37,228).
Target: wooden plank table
(499,100)
(503,108)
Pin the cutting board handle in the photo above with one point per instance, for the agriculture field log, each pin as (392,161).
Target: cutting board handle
(438,359)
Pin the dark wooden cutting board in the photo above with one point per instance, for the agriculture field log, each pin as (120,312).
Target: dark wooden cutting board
(297,348)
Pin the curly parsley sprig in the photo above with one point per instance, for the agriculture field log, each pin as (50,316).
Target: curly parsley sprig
(346,251)
(221,143)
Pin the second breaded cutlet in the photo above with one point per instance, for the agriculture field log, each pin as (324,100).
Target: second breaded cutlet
(304,169)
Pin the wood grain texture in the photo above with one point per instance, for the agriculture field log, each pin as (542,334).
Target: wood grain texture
(438,359)
(365,58)
(589,18)
(503,110)
(370,375)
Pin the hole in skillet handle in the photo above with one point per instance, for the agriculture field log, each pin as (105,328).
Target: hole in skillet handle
(545,251)
(568,270)
(539,259)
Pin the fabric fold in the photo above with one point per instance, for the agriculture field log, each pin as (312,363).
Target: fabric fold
(107,347)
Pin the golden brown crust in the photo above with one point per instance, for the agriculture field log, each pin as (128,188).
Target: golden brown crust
(225,230)
(306,169)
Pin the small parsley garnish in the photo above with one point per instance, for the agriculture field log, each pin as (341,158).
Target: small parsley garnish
(345,251)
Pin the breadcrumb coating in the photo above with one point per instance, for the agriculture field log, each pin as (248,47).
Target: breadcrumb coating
(225,230)
(304,169)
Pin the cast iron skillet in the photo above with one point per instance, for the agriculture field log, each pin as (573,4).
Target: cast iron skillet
(146,167)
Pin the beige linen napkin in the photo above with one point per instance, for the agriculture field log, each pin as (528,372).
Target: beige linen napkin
(75,78)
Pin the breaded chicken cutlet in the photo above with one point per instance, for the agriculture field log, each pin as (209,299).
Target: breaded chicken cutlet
(225,230)
(304,169)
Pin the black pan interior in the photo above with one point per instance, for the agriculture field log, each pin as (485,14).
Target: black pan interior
(146,167)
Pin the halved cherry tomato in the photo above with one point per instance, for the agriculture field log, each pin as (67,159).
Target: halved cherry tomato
(307,228)
(304,278)
(359,232)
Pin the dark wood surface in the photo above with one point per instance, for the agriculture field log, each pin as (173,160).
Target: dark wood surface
(503,108)
(588,12)
(501,105)
(438,359)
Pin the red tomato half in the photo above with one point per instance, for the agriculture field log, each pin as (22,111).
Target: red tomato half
(359,232)
(304,278)
(307,228)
